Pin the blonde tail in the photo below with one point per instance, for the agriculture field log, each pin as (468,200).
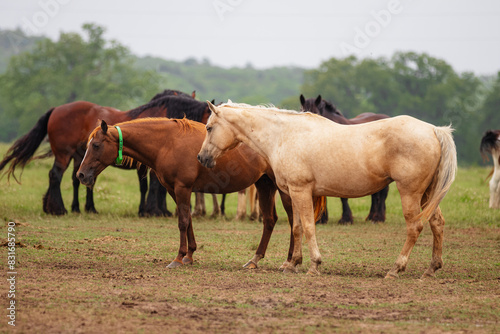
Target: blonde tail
(445,173)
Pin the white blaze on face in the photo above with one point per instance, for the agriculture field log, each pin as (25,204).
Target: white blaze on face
(88,145)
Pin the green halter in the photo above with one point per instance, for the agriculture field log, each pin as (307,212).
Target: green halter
(119,160)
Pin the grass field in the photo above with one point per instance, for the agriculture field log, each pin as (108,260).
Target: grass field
(87,273)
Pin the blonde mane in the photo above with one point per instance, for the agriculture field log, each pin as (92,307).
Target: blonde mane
(269,107)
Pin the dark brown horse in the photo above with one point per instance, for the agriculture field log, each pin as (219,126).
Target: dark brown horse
(68,127)
(176,165)
(328,110)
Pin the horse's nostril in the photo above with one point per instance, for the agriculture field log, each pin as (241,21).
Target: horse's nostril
(81,176)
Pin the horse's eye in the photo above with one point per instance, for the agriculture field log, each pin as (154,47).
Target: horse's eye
(95,146)
(209,128)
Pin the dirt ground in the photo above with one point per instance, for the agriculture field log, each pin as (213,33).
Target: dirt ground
(82,296)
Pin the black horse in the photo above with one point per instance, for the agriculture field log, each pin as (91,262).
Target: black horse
(330,111)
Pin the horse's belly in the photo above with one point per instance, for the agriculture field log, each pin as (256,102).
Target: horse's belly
(350,187)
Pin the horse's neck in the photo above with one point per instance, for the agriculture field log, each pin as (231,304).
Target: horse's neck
(140,144)
(260,130)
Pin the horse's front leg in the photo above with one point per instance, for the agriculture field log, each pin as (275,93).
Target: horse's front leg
(267,192)
(187,242)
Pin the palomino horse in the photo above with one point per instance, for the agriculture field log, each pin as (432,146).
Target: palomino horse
(419,157)
(68,127)
(490,144)
(178,170)
(328,110)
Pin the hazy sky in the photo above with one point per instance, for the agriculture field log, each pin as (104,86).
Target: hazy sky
(278,32)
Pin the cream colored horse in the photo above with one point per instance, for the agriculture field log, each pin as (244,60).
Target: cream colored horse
(490,144)
(359,160)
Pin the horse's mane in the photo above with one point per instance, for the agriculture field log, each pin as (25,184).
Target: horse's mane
(183,123)
(177,107)
(170,92)
(269,107)
(331,108)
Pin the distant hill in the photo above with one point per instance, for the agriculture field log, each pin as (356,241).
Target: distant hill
(248,85)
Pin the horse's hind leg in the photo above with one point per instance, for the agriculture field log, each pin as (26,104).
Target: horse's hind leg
(411,208)
(377,210)
(437,226)
(216,209)
(241,211)
(346,213)
(52,201)
(199,206)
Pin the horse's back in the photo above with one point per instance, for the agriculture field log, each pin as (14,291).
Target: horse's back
(71,123)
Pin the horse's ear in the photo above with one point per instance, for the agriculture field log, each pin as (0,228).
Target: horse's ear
(212,107)
(318,100)
(193,94)
(104,126)
(213,101)
(302,99)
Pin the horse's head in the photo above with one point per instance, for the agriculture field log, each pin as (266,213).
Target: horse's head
(219,139)
(102,149)
(311,105)
(323,108)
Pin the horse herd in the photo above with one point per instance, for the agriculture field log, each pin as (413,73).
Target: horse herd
(227,148)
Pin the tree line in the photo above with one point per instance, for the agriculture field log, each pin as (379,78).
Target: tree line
(41,73)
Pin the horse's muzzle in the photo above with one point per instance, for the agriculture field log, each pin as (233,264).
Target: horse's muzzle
(86,180)
(206,161)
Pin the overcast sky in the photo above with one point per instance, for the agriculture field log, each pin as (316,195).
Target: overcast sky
(270,33)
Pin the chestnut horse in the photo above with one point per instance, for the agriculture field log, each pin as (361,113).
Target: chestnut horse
(490,144)
(328,110)
(68,127)
(419,157)
(177,168)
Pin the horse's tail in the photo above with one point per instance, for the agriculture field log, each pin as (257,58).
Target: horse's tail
(24,148)
(444,174)
(319,206)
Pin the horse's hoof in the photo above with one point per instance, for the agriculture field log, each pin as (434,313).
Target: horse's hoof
(391,275)
(427,275)
(250,265)
(290,270)
(187,260)
(285,265)
(313,272)
(174,264)
(345,222)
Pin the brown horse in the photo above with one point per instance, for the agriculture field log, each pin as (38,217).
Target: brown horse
(176,165)
(68,127)
(328,110)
